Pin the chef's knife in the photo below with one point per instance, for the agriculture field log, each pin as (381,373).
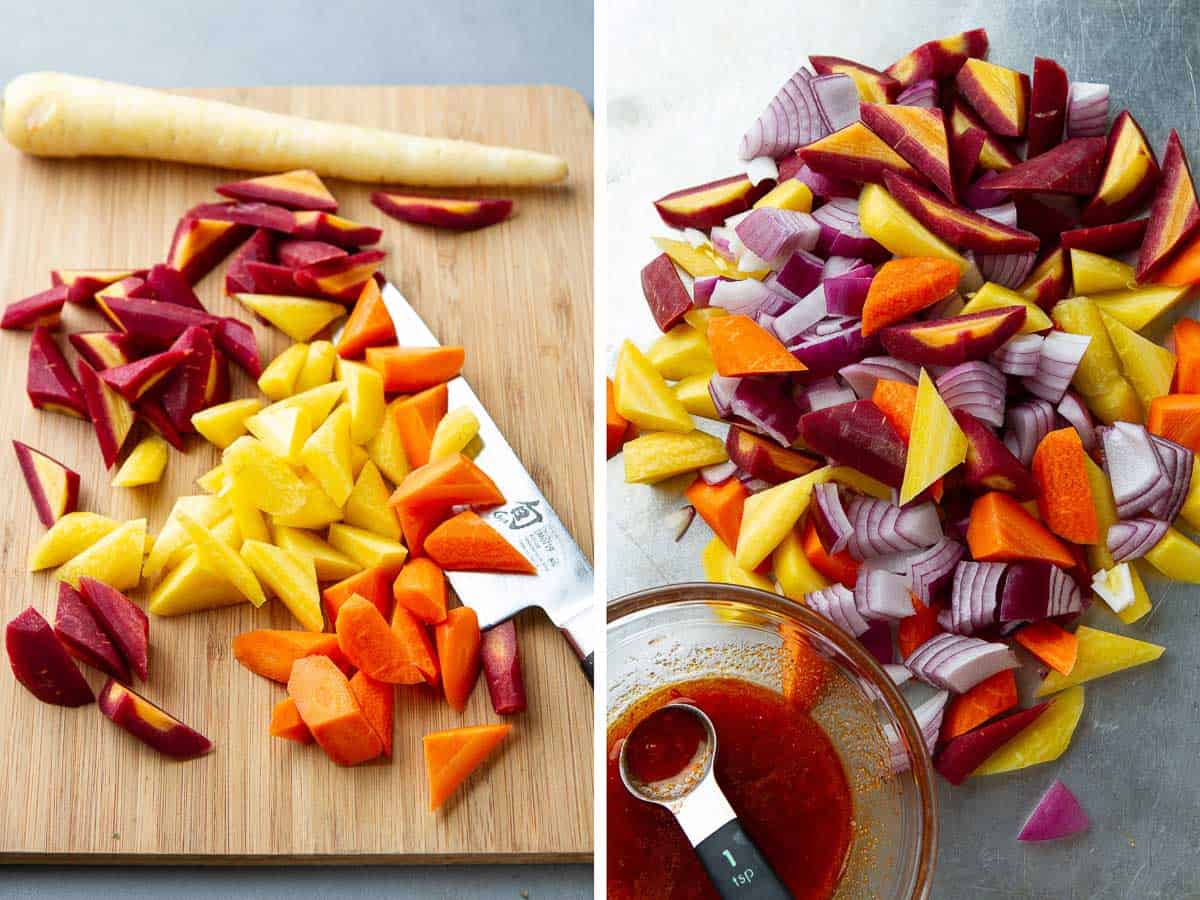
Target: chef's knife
(563,584)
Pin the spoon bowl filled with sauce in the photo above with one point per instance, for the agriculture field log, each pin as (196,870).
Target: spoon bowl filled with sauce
(814,750)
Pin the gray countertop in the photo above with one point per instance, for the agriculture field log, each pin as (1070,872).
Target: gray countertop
(225,43)
(674,120)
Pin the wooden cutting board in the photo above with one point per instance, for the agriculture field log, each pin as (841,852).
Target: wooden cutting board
(519,297)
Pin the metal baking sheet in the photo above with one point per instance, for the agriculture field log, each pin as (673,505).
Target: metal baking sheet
(684,81)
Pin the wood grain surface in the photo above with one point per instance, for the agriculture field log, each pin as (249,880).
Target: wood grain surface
(519,297)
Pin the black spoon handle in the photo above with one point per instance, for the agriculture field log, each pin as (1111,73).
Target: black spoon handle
(737,869)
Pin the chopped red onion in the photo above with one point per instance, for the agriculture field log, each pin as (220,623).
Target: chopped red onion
(830,517)
(975,596)
(1038,590)
(702,289)
(1072,408)
(840,265)
(957,663)
(773,234)
(760,169)
(792,119)
(767,405)
(1019,355)
(974,387)
(1087,109)
(754,485)
(825,354)
(1005,213)
(721,389)
(826,186)
(1057,361)
(718,472)
(793,323)
(695,237)
(1133,538)
(934,569)
(836,603)
(680,520)
(722,241)
(841,231)
(1006,269)
(1134,468)
(1176,461)
(744,297)
(825,392)
(845,295)
(899,674)
(1027,423)
(880,594)
(862,376)
(882,528)
(878,642)
(947,308)
(801,274)
(922,93)
(837,100)
(929,719)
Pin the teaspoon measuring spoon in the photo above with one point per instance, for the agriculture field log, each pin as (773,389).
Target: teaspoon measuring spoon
(737,869)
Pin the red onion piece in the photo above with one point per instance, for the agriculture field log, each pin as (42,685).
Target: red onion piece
(1027,423)
(1038,590)
(836,603)
(929,719)
(1019,355)
(1072,408)
(743,297)
(1057,815)
(792,119)
(1087,109)
(829,353)
(880,594)
(882,528)
(830,517)
(1006,269)
(841,231)
(702,290)
(719,472)
(862,376)
(975,596)
(1176,461)
(801,274)
(754,485)
(825,186)
(825,392)
(790,325)
(878,642)
(974,387)
(920,93)
(957,663)
(721,389)
(845,295)
(1133,467)
(837,100)
(1057,361)
(760,169)
(722,242)
(934,569)
(768,406)
(840,265)
(1005,213)
(899,674)
(1133,538)
(773,234)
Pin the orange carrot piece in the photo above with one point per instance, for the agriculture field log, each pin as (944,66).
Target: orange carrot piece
(466,543)
(898,401)
(458,641)
(451,756)
(1184,267)
(985,701)
(616,424)
(1187,357)
(1000,530)
(421,589)
(329,709)
(740,346)
(1052,644)
(409,369)
(418,523)
(287,724)
(450,481)
(377,699)
(720,505)
(916,629)
(372,584)
(271,653)
(1177,418)
(372,646)
(905,286)
(369,324)
(1064,492)
(418,646)
(841,566)
(417,418)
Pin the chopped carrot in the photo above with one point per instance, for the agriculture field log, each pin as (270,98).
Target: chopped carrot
(720,505)
(458,641)
(1184,267)
(417,646)
(916,629)
(898,401)
(1052,644)
(1064,493)
(466,543)
(805,671)
(373,584)
(1001,531)
(418,523)
(905,286)
(740,346)
(1177,418)
(369,324)
(287,724)
(616,424)
(985,701)
(450,481)
(377,699)
(841,566)
(410,369)
(1187,357)
(421,589)
(368,642)
(328,707)
(417,418)
(451,756)
(271,653)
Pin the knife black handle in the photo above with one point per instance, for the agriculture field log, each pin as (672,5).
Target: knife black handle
(737,869)
(585,663)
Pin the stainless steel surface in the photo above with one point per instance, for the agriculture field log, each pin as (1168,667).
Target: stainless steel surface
(674,119)
(563,585)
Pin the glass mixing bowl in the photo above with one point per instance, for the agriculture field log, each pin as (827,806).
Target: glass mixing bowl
(680,632)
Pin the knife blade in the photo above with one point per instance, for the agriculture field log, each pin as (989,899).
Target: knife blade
(563,586)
